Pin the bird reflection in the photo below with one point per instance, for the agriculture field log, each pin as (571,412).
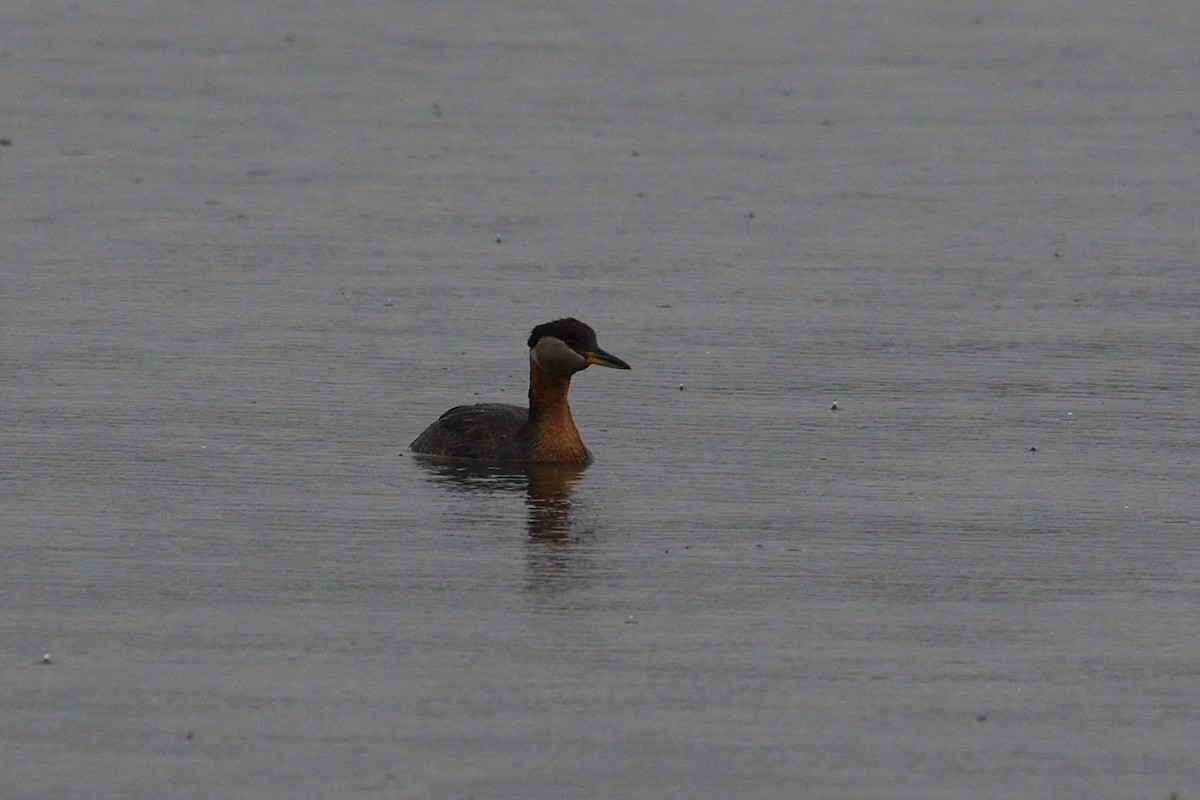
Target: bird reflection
(547,489)
(553,530)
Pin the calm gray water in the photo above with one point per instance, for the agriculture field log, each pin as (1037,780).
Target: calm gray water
(250,250)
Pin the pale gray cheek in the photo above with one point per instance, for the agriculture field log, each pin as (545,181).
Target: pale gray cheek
(556,358)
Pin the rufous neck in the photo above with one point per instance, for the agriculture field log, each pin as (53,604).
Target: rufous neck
(555,437)
(547,393)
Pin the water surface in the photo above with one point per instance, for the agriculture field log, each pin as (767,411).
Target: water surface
(251,253)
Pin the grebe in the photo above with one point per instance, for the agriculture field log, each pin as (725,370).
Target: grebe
(545,433)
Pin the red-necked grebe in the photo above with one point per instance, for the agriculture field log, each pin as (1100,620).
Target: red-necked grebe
(543,433)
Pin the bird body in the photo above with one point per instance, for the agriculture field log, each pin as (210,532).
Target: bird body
(482,432)
(543,433)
